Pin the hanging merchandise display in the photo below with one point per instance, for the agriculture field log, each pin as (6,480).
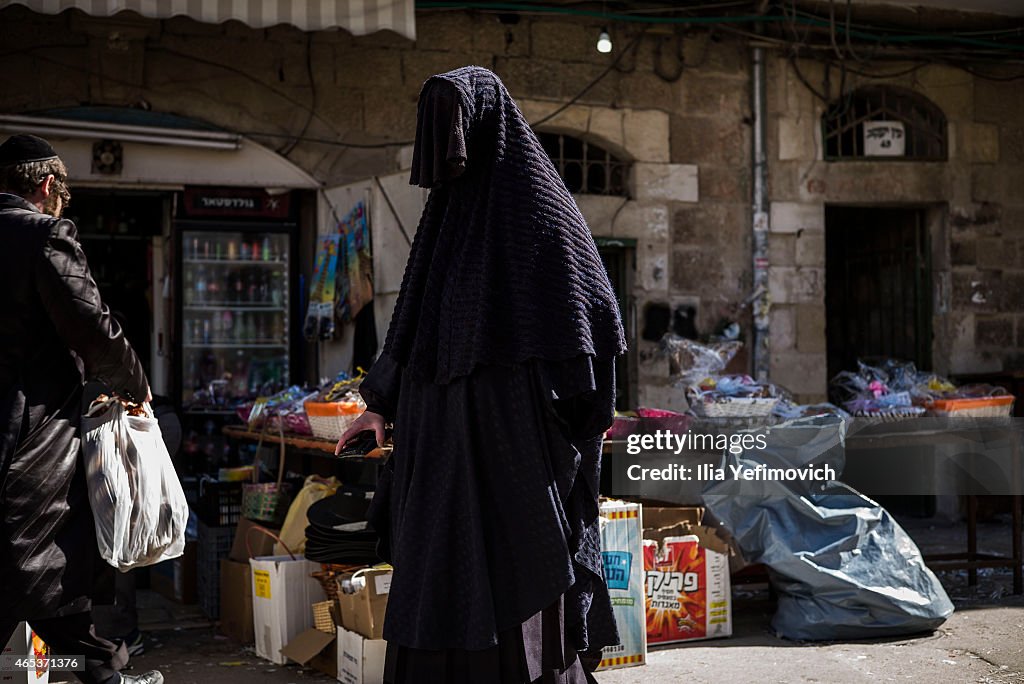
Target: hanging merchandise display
(355,269)
(320,314)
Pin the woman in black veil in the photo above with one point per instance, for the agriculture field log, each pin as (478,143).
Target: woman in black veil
(498,373)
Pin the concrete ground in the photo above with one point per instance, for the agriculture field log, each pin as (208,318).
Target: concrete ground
(983,642)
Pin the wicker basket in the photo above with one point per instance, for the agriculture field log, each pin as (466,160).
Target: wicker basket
(268,501)
(328,574)
(329,421)
(737,407)
(322,618)
(974,407)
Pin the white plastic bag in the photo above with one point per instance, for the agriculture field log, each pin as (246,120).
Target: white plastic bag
(137,502)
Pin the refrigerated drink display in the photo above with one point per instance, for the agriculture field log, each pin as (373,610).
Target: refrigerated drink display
(234,317)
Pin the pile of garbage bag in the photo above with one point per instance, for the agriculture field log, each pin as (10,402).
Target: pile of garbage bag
(842,567)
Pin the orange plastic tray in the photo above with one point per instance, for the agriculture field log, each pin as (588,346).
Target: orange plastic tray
(972,403)
(339,408)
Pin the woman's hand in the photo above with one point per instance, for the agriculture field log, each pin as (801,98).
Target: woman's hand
(368,421)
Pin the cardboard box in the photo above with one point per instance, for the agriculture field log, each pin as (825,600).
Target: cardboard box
(314,649)
(360,660)
(236,600)
(260,543)
(24,643)
(363,611)
(622,550)
(282,592)
(176,579)
(688,592)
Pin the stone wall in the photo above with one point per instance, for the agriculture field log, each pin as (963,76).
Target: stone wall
(687,131)
(975,202)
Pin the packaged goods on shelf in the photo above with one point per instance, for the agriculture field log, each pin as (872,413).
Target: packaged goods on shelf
(281,412)
(892,389)
(733,396)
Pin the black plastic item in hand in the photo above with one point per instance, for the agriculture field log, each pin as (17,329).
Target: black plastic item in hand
(361,444)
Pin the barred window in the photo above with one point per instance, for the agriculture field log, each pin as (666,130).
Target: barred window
(585,167)
(884,122)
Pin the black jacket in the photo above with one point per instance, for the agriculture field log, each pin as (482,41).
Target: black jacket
(54,333)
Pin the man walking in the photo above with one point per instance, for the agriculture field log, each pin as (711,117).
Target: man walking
(54,333)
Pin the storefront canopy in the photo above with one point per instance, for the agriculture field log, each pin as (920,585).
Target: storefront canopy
(357,16)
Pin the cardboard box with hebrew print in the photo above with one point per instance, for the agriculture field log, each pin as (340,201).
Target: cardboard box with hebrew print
(687,577)
(360,660)
(622,551)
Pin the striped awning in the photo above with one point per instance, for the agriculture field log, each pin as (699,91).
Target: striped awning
(357,16)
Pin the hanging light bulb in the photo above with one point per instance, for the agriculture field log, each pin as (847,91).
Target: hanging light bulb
(604,42)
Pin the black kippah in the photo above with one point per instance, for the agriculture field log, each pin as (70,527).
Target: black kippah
(24,148)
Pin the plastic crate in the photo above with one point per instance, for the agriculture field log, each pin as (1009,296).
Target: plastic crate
(213,546)
(220,503)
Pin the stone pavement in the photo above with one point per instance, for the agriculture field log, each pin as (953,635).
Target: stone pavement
(983,642)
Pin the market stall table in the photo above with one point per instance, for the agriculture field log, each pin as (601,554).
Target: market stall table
(908,437)
(885,437)
(314,455)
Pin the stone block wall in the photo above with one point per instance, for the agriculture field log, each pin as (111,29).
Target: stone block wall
(686,131)
(975,208)
(689,140)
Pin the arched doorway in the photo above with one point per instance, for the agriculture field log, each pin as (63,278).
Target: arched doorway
(878,256)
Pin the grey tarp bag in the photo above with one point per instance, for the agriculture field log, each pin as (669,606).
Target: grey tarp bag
(842,567)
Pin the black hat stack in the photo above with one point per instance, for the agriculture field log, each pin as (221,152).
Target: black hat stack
(338,531)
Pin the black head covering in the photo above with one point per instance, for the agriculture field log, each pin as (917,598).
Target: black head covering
(503,267)
(25,148)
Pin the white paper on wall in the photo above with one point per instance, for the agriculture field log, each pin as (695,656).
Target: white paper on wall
(884,139)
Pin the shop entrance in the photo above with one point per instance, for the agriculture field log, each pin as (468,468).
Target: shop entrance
(878,303)
(117,231)
(617,255)
(878,286)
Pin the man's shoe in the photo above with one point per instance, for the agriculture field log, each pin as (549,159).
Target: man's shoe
(134,642)
(151,677)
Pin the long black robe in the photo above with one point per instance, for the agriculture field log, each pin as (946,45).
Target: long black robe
(488,511)
(498,371)
(53,329)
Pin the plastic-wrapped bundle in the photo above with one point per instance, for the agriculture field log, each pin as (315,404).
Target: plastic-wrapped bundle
(843,568)
(692,361)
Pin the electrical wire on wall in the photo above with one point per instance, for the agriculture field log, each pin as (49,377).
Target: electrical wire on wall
(576,98)
(843,46)
(673,74)
(312,96)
